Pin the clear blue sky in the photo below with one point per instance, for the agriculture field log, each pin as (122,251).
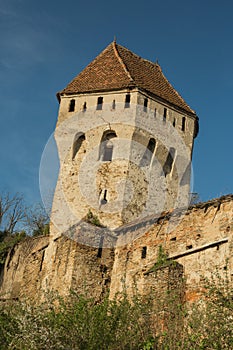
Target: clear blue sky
(44,44)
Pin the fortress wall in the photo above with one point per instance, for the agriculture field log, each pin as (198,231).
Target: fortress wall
(42,265)
(201,241)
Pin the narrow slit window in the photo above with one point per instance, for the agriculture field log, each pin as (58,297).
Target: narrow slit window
(147,156)
(145,104)
(183,124)
(127,101)
(99,103)
(144,252)
(174,122)
(167,168)
(113,104)
(100,249)
(84,106)
(72,105)
(165,115)
(104,197)
(155,112)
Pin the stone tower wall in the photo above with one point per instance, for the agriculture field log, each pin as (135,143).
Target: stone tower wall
(121,183)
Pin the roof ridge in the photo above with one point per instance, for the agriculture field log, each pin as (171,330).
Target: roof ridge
(121,61)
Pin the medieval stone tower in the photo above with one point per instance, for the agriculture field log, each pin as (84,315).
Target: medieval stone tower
(125,140)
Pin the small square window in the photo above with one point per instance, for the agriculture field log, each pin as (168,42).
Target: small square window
(127,101)
(99,103)
(72,106)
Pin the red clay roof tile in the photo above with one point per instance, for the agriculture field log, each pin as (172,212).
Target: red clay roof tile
(117,68)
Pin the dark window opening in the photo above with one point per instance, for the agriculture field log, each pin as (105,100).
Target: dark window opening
(145,104)
(107,281)
(155,112)
(106,146)
(72,106)
(165,115)
(42,260)
(113,104)
(100,249)
(84,106)
(189,246)
(169,161)
(173,239)
(151,145)
(108,150)
(147,156)
(174,122)
(127,101)
(183,124)
(78,140)
(104,198)
(99,103)
(144,251)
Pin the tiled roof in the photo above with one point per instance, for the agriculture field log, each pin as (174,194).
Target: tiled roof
(117,68)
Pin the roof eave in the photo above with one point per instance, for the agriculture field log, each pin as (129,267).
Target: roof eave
(63,93)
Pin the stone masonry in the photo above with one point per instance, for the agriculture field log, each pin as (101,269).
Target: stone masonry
(201,242)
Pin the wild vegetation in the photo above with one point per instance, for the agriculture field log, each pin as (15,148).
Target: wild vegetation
(18,222)
(82,323)
(141,323)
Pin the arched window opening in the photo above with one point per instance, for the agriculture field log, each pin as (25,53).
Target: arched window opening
(185,180)
(84,106)
(147,156)
(72,105)
(151,145)
(106,146)
(113,104)
(174,122)
(145,104)
(78,140)
(164,115)
(183,124)
(169,162)
(99,103)
(127,101)
(108,150)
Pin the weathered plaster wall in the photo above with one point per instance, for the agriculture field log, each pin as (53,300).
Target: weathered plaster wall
(201,241)
(80,184)
(22,274)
